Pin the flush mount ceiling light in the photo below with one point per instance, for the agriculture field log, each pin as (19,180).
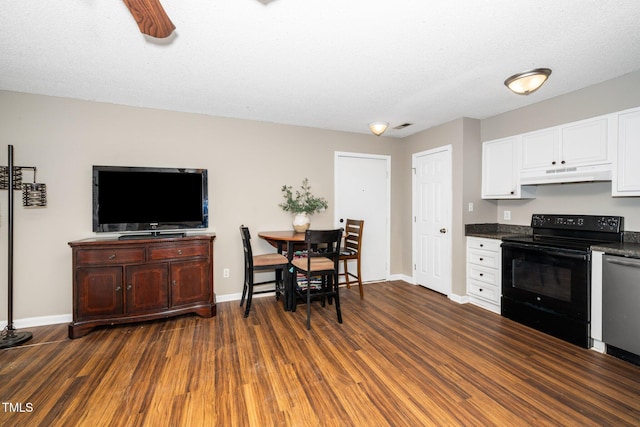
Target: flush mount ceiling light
(528,81)
(378,128)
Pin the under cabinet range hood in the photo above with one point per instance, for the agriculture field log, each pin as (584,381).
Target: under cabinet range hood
(566,175)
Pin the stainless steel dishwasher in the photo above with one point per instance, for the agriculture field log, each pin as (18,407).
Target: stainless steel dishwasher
(621,307)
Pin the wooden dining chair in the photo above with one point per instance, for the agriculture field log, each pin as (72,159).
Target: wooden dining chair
(253,263)
(319,270)
(351,251)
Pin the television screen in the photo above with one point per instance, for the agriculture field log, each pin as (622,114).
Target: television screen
(149,199)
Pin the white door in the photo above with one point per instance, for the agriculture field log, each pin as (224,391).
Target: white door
(362,191)
(432,219)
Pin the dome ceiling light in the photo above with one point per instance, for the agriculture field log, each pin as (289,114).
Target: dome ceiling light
(528,81)
(378,128)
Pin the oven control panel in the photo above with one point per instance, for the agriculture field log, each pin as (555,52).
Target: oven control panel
(610,224)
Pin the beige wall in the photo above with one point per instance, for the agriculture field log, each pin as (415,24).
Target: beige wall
(585,198)
(464,137)
(248,162)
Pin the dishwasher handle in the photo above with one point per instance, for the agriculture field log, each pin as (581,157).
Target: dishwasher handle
(624,262)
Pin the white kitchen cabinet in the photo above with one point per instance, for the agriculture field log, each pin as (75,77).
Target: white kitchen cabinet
(500,169)
(541,149)
(577,144)
(484,270)
(586,142)
(626,173)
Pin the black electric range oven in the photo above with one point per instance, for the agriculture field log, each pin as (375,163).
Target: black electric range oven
(546,277)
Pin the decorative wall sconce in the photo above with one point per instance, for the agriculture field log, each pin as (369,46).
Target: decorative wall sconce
(378,128)
(528,81)
(34,194)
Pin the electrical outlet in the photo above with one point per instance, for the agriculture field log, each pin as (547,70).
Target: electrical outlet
(470,206)
(507,215)
(225,272)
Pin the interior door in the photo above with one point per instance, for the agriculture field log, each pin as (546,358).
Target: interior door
(432,219)
(362,191)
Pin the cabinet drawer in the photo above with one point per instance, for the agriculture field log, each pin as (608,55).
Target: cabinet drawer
(484,291)
(486,275)
(178,251)
(485,258)
(85,257)
(484,244)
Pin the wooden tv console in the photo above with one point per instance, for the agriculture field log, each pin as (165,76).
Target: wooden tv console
(121,281)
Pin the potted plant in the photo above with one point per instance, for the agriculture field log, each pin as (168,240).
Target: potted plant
(301,203)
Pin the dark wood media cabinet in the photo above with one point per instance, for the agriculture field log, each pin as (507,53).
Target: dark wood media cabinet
(121,281)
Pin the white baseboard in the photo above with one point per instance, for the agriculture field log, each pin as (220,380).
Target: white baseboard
(238,296)
(599,346)
(31,322)
(460,299)
(402,277)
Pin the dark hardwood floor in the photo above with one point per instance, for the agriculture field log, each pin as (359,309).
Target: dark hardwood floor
(404,356)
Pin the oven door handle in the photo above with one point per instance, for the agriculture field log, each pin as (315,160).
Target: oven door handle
(567,253)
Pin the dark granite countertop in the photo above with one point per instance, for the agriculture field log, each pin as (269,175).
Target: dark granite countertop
(629,248)
(496,231)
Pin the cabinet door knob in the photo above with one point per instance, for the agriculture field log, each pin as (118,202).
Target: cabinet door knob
(563,162)
(481,259)
(481,274)
(118,288)
(129,287)
(553,163)
(179,251)
(112,256)
(173,282)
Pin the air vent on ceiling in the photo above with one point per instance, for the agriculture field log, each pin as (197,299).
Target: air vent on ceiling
(402,126)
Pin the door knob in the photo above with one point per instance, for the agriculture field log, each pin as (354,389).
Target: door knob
(443,230)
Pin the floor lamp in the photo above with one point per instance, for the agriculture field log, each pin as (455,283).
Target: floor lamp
(33,194)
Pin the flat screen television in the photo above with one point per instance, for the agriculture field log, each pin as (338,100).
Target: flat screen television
(149,199)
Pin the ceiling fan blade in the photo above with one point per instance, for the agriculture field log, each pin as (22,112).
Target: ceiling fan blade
(150,17)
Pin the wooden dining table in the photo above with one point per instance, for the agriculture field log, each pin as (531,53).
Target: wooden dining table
(286,241)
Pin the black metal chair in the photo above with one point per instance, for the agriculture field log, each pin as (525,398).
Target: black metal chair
(319,270)
(267,262)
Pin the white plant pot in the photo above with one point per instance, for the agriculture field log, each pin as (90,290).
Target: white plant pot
(301,222)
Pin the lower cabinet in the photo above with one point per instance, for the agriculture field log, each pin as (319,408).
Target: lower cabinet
(121,281)
(484,270)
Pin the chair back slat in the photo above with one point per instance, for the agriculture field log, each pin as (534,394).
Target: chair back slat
(353,235)
(246,244)
(325,243)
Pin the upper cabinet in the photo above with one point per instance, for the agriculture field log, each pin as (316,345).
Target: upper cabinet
(541,149)
(577,144)
(603,148)
(500,168)
(586,143)
(626,173)
(574,152)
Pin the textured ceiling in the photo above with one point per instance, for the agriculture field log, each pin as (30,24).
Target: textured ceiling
(330,64)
